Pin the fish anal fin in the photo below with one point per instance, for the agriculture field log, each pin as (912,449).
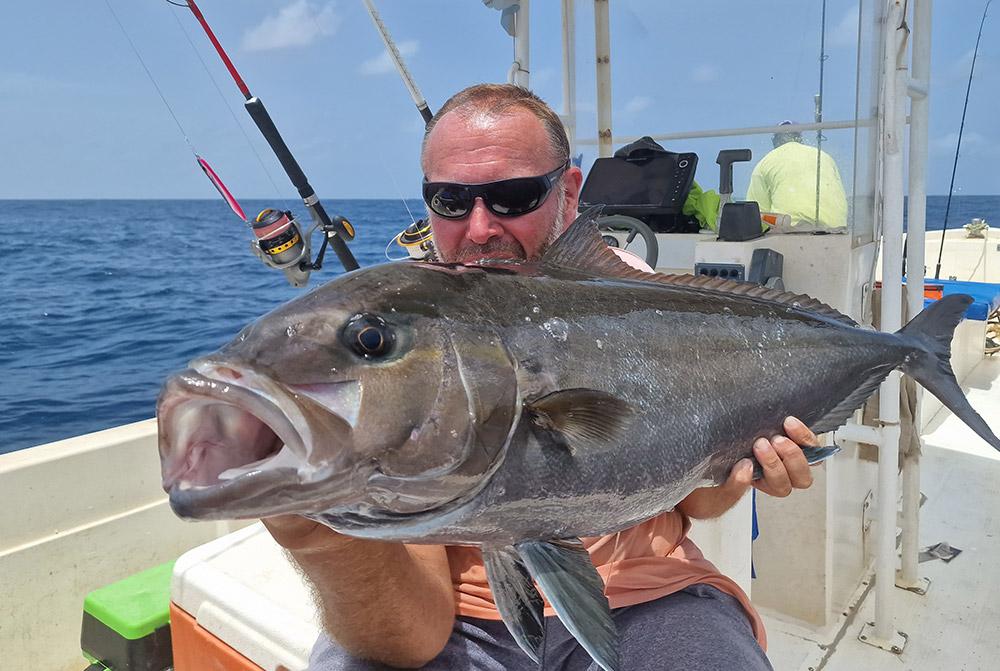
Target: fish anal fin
(568,579)
(518,602)
(580,418)
(837,417)
(840,413)
(813,455)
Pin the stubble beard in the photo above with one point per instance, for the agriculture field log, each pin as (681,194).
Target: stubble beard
(505,250)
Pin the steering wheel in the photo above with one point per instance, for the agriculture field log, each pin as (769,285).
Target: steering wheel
(618,222)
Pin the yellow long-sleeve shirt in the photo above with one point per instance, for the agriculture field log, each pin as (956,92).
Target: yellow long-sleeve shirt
(785,181)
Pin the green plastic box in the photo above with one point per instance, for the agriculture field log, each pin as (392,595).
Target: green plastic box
(126,625)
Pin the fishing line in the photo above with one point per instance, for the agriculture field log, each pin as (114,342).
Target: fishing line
(389,244)
(819,102)
(395,184)
(150,75)
(225,102)
(399,192)
(958,146)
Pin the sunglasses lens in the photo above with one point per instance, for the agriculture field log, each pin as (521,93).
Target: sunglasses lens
(451,201)
(516,196)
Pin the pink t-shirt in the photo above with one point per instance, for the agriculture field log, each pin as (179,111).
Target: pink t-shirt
(639,564)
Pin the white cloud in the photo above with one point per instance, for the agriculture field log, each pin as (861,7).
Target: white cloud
(970,141)
(705,73)
(382,64)
(845,33)
(296,25)
(984,66)
(638,104)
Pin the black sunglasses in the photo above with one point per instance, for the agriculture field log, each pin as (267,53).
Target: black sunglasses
(507,198)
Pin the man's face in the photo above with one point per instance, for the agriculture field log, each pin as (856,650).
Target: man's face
(488,149)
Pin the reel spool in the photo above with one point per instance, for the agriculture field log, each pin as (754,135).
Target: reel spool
(417,240)
(278,239)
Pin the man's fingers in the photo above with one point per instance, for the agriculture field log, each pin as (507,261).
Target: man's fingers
(776,481)
(794,461)
(739,481)
(741,476)
(799,432)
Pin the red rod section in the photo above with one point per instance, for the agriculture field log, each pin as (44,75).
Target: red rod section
(218,47)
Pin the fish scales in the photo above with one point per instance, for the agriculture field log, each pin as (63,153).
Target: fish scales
(739,373)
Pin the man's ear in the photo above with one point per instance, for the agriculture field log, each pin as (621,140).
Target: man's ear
(572,181)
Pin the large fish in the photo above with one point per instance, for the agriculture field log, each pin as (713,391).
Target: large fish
(519,407)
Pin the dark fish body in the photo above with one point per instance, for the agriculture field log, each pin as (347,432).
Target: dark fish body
(703,374)
(520,407)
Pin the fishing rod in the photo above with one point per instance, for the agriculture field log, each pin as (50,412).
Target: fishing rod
(958,146)
(280,241)
(397,59)
(202,163)
(416,238)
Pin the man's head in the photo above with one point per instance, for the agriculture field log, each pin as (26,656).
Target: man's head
(779,139)
(490,133)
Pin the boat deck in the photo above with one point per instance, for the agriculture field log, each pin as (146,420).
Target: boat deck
(954,625)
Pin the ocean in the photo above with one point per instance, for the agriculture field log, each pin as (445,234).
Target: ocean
(104,299)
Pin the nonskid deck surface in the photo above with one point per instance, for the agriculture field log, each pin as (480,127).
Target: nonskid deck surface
(954,626)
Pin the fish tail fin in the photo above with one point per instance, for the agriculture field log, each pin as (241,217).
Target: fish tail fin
(931,333)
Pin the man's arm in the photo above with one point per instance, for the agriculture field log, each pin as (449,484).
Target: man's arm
(785,469)
(387,602)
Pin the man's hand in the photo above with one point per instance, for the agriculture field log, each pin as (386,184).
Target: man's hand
(785,468)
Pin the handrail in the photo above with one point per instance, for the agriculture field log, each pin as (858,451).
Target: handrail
(749,130)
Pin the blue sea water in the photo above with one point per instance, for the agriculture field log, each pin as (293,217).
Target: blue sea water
(104,299)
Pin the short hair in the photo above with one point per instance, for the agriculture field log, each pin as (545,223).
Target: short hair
(500,100)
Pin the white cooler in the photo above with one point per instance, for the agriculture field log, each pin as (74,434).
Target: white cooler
(237,603)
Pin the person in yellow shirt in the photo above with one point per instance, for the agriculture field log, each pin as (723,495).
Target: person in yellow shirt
(785,181)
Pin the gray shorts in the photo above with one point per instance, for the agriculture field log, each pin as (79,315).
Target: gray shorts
(697,629)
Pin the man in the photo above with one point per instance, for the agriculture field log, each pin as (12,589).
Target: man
(412,605)
(785,181)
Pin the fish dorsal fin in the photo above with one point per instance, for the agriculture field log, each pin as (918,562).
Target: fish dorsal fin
(582,249)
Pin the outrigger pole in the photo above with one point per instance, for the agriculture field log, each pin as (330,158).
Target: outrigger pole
(335,230)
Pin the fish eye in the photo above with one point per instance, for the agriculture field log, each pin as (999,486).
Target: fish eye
(368,336)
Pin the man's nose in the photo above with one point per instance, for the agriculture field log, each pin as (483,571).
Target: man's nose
(483,224)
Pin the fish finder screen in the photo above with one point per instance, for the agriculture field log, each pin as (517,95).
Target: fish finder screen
(659,184)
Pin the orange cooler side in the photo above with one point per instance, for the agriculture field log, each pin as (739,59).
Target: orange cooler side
(197,650)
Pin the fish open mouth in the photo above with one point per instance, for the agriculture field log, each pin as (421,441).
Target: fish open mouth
(222,442)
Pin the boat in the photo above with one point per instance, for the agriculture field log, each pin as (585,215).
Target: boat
(854,594)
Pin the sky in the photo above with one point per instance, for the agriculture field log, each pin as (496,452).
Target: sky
(79,118)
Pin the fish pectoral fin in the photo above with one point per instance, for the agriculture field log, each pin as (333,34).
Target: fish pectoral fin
(814,455)
(518,602)
(579,418)
(568,579)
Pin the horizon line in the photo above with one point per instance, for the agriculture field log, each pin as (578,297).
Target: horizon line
(331,198)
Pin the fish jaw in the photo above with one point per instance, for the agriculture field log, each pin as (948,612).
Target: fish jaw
(233,444)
